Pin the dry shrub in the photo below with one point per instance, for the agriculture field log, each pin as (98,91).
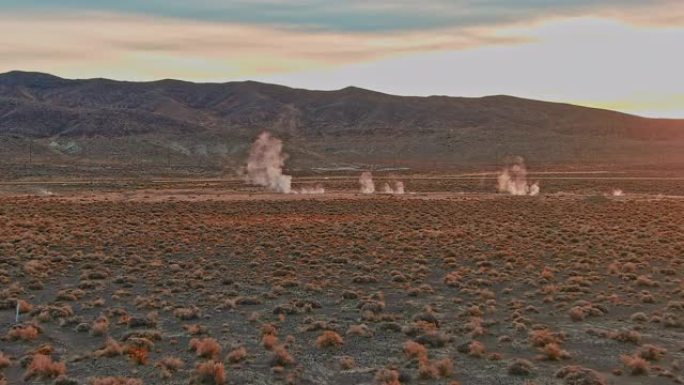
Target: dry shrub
(169,365)
(24,307)
(413,349)
(4,361)
(43,367)
(347,362)
(269,341)
(433,338)
(115,381)
(632,336)
(138,354)
(111,349)
(646,281)
(671,320)
(27,332)
(100,326)
(577,375)
(520,367)
(387,377)
(476,349)
(70,294)
(475,311)
(639,317)
(53,312)
(553,352)
(453,279)
(281,357)
(361,330)
(211,372)
(36,267)
(445,367)
(268,329)
(578,313)
(205,347)
(629,267)
(45,349)
(329,339)
(426,371)
(613,268)
(237,355)
(187,313)
(636,364)
(543,337)
(124,319)
(651,352)
(418,328)
(195,329)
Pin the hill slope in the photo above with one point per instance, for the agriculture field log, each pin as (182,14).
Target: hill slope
(182,123)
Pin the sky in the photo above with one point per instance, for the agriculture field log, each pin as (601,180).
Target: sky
(625,55)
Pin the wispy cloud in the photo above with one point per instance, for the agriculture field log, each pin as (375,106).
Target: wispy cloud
(593,62)
(370,16)
(79,45)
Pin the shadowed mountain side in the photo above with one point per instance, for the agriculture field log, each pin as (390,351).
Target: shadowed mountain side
(171,122)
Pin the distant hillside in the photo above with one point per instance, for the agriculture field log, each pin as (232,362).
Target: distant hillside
(171,122)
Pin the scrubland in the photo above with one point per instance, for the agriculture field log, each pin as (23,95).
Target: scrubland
(555,289)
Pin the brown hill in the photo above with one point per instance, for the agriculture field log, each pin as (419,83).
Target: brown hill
(106,122)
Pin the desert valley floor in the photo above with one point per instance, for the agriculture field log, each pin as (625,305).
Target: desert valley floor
(214,283)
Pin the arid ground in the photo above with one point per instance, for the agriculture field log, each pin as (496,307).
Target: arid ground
(173,282)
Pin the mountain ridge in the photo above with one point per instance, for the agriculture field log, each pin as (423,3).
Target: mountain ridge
(349,125)
(347,89)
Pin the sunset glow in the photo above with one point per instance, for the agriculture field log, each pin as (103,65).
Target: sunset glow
(619,55)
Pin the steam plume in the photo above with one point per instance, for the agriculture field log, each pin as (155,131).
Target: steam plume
(618,192)
(366,183)
(265,164)
(398,188)
(316,189)
(534,189)
(513,179)
(44,192)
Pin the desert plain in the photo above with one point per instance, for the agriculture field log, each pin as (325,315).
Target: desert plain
(217,282)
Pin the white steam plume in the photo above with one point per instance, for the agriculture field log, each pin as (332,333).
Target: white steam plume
(366,183)
(265,164)
(316,189)
(618,192)
(398,188)
(513,179)
(44,192)
(534,189)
